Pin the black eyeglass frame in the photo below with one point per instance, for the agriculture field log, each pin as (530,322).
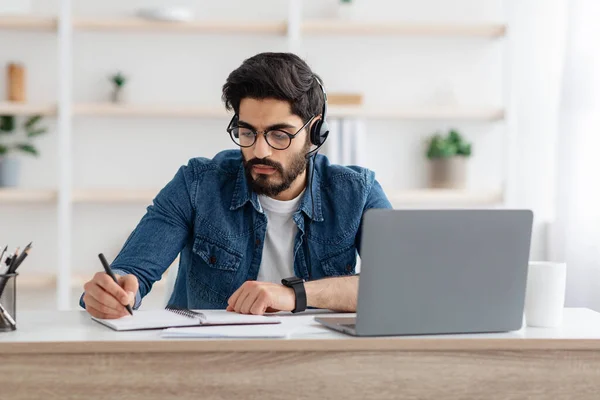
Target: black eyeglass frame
(231,128)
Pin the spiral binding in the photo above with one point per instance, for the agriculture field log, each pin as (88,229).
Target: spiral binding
(187,313)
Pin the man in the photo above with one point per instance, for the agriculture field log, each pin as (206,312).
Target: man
(266,229)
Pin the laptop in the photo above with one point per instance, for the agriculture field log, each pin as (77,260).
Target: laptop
(440,272)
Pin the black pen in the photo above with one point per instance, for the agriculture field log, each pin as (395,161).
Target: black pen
(112,275)
(4,280)
(3,252)
(13,260)
(20,259)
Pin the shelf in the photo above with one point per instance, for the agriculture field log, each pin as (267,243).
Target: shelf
(221,27)
(28,23)
(12,108)
(315,27)
(425,113)
(170,111)
(20,196)
(340,27)
(103,196)
(145,196)
(148,110)
(444,197)
(16,195)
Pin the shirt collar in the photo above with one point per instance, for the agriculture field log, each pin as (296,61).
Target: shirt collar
(243,194)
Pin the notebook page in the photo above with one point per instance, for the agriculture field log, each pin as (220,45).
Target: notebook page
(222,317)
(155,319)
(148,319)
(230,331)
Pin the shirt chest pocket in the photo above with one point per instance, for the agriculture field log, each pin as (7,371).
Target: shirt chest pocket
(340,263)
(215,267)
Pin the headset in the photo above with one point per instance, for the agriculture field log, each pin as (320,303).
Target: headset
(320,129)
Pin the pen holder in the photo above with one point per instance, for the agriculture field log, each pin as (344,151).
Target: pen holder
(8,302)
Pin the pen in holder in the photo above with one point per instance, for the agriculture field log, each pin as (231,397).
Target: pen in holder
(8,302)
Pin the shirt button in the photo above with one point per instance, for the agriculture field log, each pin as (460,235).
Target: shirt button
(213,260)
(349,268)
(257,242)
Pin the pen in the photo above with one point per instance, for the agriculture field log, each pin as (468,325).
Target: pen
(13,259)
(112,275)
(4,280)
(7,317)
(3,252)
(20,259)
(2,270)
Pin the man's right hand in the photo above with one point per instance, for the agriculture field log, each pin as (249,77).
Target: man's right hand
(106,299)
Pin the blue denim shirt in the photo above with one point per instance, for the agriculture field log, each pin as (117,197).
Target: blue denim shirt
(210,216)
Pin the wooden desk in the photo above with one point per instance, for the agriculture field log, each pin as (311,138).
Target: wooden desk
(65,355)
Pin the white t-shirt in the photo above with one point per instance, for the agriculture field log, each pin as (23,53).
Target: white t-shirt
(278,251)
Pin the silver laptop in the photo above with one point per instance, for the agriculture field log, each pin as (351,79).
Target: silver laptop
(440,272)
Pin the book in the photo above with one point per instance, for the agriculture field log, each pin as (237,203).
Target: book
(172,317)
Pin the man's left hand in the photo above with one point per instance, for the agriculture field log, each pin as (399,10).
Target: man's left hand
(257,298)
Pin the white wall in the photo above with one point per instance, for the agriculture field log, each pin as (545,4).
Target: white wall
(190,69)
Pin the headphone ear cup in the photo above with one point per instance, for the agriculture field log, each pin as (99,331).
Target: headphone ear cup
(315,133)
(323,131)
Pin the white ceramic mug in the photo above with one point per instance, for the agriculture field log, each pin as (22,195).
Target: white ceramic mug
(545,294)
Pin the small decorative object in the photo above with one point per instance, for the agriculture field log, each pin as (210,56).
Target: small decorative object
(448,161)
(346,9)
(168,14)
(16,82)
(10,166)
(118,81)
(15,7)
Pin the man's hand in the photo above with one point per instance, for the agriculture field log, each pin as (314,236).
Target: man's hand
(259,297)
(105,299)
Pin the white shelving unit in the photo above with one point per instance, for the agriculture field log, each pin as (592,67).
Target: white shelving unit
(103,196)
(148,111)
(216,27)
(145,196)
(337,27)
(27,196)
(294,29)
(12,108)
(186,111)
(28,23)
(190,111)
(443,197)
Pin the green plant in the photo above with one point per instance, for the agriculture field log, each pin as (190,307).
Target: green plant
(452,145)
(118,80)
(8,126)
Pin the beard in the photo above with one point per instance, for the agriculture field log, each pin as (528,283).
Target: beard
(270,185)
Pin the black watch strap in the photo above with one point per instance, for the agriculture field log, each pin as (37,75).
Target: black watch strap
(297,284)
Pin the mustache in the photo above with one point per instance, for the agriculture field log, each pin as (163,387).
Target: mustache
(264,161)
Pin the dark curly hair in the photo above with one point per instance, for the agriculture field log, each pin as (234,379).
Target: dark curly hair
(281,76)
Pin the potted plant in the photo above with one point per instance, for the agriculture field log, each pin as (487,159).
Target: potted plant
(448,157)
(118,80)
(346,9)
(10,166)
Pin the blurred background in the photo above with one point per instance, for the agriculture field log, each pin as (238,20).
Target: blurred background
(453,103)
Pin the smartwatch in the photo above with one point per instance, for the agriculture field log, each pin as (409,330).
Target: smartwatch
(298,285)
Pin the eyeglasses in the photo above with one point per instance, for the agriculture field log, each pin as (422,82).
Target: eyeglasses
(276,138)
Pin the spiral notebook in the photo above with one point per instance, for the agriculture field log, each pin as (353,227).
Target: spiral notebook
(174,317)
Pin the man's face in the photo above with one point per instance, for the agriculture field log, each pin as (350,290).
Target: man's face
(268,170)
